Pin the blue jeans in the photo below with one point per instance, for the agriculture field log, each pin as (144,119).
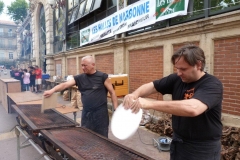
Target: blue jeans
(26,86)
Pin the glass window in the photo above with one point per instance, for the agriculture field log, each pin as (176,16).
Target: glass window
(88,6)
(70,4)
(129,2)
(75,2)
(73,41)
(112,3)
(74,15)
(81,9)
(195,9)
(221,5)
(97,4)
(2,55)
(56,14)
(10,55)
(9,32)
(1,31)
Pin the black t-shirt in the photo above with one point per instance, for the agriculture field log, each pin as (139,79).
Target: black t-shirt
(32,75)
(209,90)
(93,91)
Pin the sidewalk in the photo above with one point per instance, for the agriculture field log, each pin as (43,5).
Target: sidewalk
(141,141)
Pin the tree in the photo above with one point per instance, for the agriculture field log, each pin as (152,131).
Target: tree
(18,10)
(1,6)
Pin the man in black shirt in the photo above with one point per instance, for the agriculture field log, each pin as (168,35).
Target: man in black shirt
(94,86)
(196,106)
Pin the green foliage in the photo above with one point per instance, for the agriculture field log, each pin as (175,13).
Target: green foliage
(18,10)
(1,6)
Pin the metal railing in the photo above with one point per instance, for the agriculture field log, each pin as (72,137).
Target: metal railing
(11,47)
(8,35)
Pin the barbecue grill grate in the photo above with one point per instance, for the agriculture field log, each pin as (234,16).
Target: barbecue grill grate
(88,145)
(32,115)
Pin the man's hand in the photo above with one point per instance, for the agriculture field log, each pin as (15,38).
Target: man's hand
(48,93)
(128,101)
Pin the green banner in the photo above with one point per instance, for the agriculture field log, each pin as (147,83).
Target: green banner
(167,7)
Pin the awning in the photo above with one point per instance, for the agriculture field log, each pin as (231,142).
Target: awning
(84,8)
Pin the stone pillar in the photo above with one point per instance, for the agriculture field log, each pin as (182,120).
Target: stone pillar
(167,65)
(206,43)
(119,59)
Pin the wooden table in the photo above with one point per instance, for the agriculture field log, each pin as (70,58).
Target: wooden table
(8,85)
(22,97)
(60,108)
(50,84)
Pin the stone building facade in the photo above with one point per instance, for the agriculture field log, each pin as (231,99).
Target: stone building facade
(8,43)
(146,56)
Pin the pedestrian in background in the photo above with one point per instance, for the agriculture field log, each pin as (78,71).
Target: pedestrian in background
(32,79)
(196,106)
(26,79)
(38,81)
(12,71)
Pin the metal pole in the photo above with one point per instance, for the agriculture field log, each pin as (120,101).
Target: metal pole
(36,146)
(18,143)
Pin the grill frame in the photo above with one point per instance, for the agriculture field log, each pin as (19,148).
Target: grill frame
(34,127)
(72,155)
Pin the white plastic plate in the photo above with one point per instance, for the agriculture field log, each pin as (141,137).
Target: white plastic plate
(125,123)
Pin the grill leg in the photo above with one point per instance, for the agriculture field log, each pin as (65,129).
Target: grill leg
(75,116)
(18,143)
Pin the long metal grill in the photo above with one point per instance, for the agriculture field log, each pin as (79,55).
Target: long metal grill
(87,145)
(32,115)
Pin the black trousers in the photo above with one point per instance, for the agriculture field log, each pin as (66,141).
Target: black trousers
(97,121)
(186,150)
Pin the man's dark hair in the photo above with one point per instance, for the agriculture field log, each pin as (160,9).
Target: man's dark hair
(191,54)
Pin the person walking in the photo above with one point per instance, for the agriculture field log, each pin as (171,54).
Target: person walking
(12,71)
(18,73)
(32,79)
(38,81)
(196,107)
(26,79)
(94,86)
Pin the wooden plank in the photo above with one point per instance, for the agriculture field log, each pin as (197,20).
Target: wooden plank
(9,80)
(50,102)
(30,102)
(65,109)
(27,96)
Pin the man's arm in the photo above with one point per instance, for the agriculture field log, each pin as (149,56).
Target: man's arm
(142,91)
(189,108)
(108,85)
(59,87)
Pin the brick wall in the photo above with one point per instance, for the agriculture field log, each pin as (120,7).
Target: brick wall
(105,63)
(71,66)
(145,65)
(227,69)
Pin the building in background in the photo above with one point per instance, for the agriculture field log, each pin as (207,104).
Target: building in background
(143,53)
(24,39)
(8,43)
